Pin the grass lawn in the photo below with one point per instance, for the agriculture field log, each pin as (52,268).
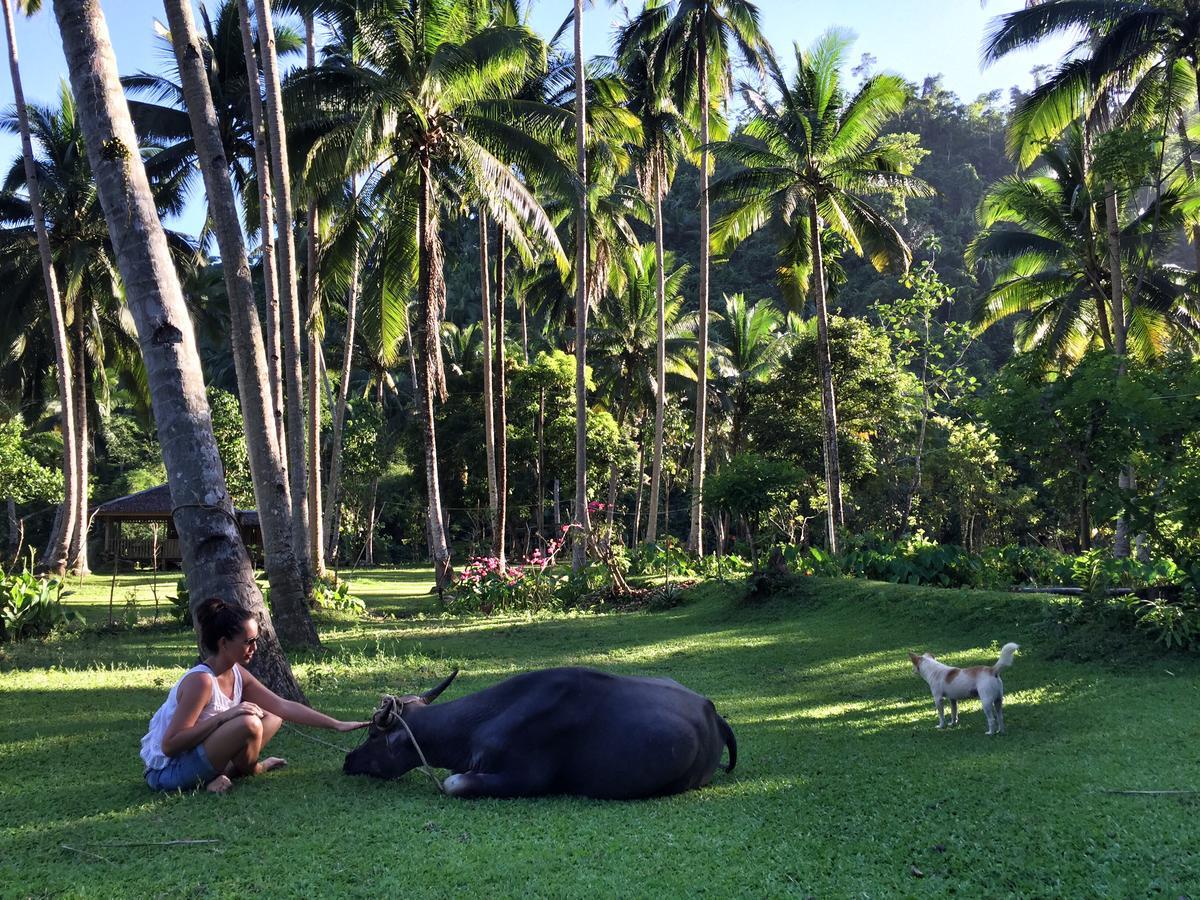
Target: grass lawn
(843,785)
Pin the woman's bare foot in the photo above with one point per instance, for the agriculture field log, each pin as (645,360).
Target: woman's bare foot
(270,764)
(219,785)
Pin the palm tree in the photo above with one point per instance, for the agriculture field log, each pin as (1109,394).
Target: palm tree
(436,116)
(82,257)
(313,326)
(1142,64)
(268,473)
(582,524)
(55,556)
(664,132)
(231,66)
(266,214)
(215,559)
(1048,232)
(808,163)
(288,290)
(751,343)
(695,45)
(626,337)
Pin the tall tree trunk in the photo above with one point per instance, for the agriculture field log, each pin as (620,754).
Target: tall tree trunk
(312,319)
(610,512)
(489,404)
(16,532)
(1119,327)
(54,559)
(429,375)
(316,519)
(660,370)
(369,550)
(266,218)
(641,472)
(288,293)
(667,507)
(268,474)
(501,408)
(833,472)
(581,523)
(214,557)
(524,332)
(541,464)
(333,502)
(696,534)
(79,553)
(1189,170)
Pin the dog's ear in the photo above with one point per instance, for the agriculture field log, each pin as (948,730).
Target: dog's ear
(914,659)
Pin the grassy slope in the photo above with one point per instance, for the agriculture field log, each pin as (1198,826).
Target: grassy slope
(843,785)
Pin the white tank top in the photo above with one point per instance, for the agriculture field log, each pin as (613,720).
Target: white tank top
(152,752)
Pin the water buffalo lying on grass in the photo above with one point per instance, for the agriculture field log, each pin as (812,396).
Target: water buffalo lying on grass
(555,731)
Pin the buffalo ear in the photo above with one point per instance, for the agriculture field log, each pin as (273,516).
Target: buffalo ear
(432,694)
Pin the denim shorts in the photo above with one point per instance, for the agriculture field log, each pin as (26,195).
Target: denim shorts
(185,772)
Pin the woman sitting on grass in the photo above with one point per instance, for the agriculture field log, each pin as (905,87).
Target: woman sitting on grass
(218,716)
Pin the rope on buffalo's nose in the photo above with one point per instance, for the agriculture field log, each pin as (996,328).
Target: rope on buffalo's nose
(389,715)
(425,766)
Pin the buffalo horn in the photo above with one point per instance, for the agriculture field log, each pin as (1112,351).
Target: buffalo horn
(432,694)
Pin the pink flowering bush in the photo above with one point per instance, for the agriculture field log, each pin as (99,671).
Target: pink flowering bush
(528,586)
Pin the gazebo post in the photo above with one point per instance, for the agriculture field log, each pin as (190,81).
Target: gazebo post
(116,565)
(154,567)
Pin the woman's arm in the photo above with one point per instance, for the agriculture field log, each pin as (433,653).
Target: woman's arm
(255,691)
(183,733)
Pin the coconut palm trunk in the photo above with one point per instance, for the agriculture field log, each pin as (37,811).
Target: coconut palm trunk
(641,474)
(316,540)
(611,511)
(696,535)
(316,520)
(333,511)
(540,428)
(268,474)
(289,301)
(501,410)
(581,523)
(833,472)
(489,406)
(660,369)
(54,559)
(429,373)
(78,555)
(1121,541)
(214,557)
(266,215)
(369,543)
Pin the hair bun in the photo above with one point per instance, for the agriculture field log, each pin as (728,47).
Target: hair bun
(210,609)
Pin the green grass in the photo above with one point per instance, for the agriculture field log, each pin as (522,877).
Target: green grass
(403,592)
(843,785)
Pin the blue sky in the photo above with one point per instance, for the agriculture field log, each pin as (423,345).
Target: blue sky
(914,38)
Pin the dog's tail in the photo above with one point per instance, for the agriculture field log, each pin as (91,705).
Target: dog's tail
(1006,657)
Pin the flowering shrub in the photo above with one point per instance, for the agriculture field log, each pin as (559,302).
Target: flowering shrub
(530,586)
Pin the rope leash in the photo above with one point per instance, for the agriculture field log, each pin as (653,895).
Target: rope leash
(316,740)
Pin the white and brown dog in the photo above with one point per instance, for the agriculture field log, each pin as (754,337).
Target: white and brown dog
(949,683)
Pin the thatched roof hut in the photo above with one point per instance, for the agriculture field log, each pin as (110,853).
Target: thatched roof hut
(153,507)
